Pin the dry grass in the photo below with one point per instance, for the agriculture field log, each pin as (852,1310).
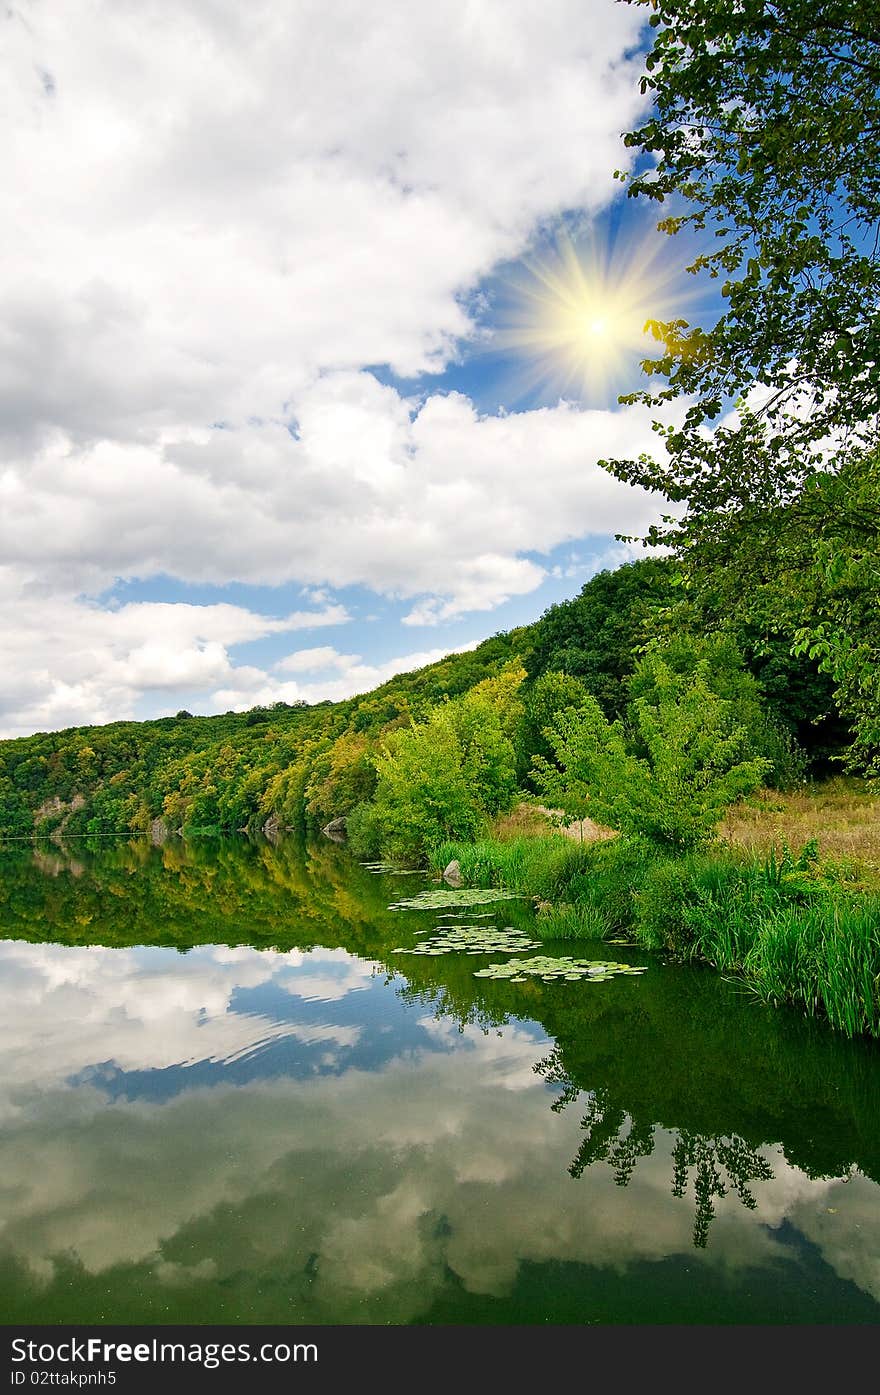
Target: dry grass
(525,821)
(843,815)
(535,821)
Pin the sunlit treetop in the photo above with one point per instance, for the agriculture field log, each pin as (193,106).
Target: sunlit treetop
(765,137)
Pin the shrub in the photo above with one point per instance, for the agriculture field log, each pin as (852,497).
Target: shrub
(442,778)
(695,761)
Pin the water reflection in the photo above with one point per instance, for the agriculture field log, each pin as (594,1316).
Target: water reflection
(223,1101)
(707,1168)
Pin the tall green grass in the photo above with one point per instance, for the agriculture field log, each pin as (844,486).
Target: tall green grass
(541,867)
(791,927)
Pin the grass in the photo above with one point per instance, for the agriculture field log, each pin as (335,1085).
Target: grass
(539,866)
(525,821)
(823,959)
(843,814)
(536,821)
(803,930)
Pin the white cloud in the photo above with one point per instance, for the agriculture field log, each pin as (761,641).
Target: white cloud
(65,661)
(443,506)
(316,660)
(213,219)
(103,661)
(215,203)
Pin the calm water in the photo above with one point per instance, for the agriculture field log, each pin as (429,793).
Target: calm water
(225,1099)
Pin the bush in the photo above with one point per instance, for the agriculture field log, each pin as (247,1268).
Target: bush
(443,778)
(669,778)
(363,830)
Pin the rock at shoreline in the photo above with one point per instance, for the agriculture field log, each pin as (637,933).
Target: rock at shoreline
(452,873)
(158,832)
(335,829)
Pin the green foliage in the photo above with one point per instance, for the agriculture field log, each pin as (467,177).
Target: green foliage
(728,678)
(824,959)
(597,636)
(287,763)
(443,777)
(765,133)
(363,829)
(540,866)
(796,938)
(788,870)
(608,881)
(687,759)
(789,925)
(549,695)
(573,922)
(803,574)
(422,790)
(840,594)
(463,747)
(343,775)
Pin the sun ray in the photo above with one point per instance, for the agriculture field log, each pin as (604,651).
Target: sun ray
(576,316)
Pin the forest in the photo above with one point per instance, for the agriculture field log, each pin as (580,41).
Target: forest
(624,706)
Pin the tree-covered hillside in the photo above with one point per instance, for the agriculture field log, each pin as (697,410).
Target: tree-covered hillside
(460,735)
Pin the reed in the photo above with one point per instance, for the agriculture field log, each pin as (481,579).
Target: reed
(542,867)
(791,925)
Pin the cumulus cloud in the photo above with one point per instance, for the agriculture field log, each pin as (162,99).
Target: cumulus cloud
(214,203)
(321,658)
(404,498)
(103,661)
(213,221)
(64,661)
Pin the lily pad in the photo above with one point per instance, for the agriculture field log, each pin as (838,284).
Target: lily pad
(393,868)
(448,898)
(555,970)
(475,939)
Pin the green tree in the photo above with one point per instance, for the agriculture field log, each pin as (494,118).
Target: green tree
(443,777)
(342,777)
(597,636)
(721,662)
(808,571)
(765,134)
(671,778)
(840,613)
(549,695)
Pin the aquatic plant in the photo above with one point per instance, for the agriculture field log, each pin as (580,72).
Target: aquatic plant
(552,970)
(447,898)
(474,939)
(392,869)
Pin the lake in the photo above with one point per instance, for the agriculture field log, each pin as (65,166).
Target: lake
(226,1099)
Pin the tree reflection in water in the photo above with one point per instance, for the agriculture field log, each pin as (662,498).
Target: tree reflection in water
(713,1166)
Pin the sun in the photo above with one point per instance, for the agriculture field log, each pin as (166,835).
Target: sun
(577,316)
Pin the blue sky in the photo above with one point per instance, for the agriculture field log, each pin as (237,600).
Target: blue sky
(273,424)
